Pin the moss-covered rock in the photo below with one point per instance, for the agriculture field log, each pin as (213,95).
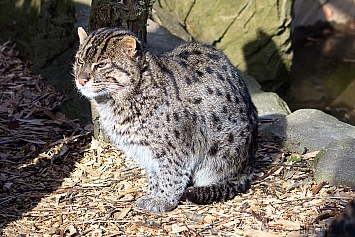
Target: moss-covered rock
(335,163)
(41,29)
(254,35)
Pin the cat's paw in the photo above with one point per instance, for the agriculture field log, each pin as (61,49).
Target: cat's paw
(155,204)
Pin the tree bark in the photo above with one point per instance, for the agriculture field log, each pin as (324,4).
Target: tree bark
(130,14)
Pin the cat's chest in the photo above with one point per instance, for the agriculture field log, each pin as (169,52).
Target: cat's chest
(121,126)
(128,135)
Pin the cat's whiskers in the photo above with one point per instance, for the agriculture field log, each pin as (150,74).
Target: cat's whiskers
(112,86)
(109,86)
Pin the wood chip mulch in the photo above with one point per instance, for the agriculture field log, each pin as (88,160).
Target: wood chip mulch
(57,181)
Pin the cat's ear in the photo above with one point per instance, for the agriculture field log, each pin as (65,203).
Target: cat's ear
(129,46)
(82,34)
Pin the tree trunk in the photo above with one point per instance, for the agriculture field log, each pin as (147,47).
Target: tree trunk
(130,14)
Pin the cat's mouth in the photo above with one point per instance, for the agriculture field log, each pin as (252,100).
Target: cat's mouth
(100,90)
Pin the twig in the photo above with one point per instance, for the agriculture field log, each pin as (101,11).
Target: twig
(271,171)
(325,215)
(9,141)
(7,199)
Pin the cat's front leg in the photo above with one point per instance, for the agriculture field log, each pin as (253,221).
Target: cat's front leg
(166,186)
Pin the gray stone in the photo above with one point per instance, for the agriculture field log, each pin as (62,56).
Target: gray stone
(335,163)
(160,39)
(269,103)
(252,85)
(308,128)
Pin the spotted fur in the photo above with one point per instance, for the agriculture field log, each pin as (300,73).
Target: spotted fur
(185,116)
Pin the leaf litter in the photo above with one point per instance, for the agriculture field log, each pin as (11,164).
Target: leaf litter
(57,181)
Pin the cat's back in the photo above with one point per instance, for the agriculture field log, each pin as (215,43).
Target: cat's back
(201,73)
(198,58)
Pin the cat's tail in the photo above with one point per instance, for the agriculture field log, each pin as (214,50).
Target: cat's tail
(216,192)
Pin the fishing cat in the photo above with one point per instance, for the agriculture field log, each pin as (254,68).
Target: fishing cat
(185,116)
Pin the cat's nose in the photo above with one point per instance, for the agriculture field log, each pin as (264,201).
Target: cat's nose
(82,81)
(84,77)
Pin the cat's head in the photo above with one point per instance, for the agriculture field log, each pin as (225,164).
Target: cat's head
(107,63)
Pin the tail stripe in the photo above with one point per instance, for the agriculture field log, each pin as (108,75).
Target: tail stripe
(216,192)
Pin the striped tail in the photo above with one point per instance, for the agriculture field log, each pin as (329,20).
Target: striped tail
(216,192)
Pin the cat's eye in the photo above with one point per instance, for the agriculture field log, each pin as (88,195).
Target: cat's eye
(98,66)
(80,62)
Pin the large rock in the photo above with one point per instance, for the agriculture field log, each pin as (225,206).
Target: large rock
(270,105)
(159,39)
(171,15)
(308,128)
(237,27)
(316,131)
(336,162)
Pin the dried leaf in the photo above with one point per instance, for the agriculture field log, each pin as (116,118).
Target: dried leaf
(121,214)
(15,124)
(290,225)
(47,112)
(200,218)
(310,155)
(72,230)
(175,229)
(96,233)
(318,187)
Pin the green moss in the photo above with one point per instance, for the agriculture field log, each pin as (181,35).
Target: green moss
(318,157)
(255,37)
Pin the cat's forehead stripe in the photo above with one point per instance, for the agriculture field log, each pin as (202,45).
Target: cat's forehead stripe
(93,44)
(104,44)
(99,41)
